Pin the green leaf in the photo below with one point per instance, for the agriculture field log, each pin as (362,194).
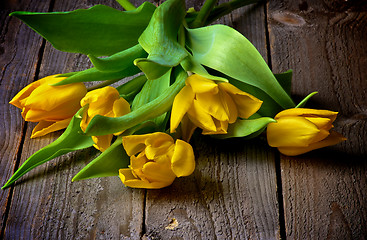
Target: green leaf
(101,125)
(190,65)
(67,74)
(246,128)
(99,30)
(269,107)
(304,101)
(160,38)
(224,49)
(70,140)
(151,90)
(152,70)
(129,89)
(93,74)
(106,164)
(285,80)
(118,61)
(116,67)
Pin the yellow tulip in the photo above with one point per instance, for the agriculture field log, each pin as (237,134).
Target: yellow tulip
(105,102)
(51,106)
(156,160)
(210,106)
(300,130)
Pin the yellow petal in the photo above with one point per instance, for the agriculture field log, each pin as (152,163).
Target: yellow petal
(134,143)
(138,162)
(105,94)
(321,122)
(101,101)
(44,127)
(321,135)
(121,107)
(67,110)
(200,118)
(187,128)
(183,159)
(221,128)
(157,139)
(23,94)
(85,120)
(291,132)
(332,139)
(155,172)
(247,104)
(200,84)
(307,112)
(126,174)
(158,143)
(129,180)
(212,105)
(137,143)
(154,151)
(47,97)
(102,142)
(181,105)
(52,79)
(229,106)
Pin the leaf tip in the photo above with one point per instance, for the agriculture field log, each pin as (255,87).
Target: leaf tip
(14,14)
(6,185)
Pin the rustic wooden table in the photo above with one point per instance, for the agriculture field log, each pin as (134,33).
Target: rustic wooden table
(240,189)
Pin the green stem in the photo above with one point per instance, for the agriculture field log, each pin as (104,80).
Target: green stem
(226,8)
(128,6)
(204,13)
(220,11)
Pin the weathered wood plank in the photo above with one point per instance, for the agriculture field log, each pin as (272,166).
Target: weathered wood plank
(232,193)
(19,47)
(46,205)
(325,192)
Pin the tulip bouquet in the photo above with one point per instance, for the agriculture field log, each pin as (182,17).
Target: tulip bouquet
(186,75)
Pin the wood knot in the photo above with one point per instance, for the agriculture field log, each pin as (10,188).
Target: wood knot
(288,18)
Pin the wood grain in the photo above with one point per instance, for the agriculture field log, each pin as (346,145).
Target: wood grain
(46,204)
(232,193)
(19,48)
(325,192)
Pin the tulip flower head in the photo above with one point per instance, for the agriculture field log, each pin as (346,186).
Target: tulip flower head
(51,106)
(105,102)
(300,130)
(156,160)
(211,106)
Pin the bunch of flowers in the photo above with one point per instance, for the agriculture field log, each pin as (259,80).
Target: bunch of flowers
(186,76)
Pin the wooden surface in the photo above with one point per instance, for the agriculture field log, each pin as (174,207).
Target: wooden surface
(240,189)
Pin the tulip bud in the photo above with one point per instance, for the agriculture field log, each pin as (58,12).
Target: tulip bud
(51,106)
(300,130)
(210,105)
(156,160)
(105,102)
